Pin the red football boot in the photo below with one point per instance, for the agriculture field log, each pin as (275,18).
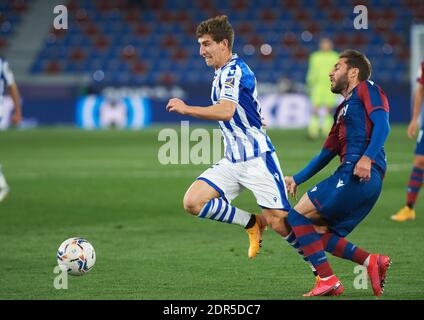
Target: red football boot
(377,268)
(335,292)
(325,287)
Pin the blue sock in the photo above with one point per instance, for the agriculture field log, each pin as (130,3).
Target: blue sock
(220,210)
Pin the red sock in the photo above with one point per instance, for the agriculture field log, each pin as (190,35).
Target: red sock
(340,247)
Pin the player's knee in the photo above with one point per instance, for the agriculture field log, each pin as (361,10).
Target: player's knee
(192,205)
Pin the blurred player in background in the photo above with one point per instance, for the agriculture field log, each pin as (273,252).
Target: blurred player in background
(417,173)
(323,101)
(250,161)
(342,201)
(7,80)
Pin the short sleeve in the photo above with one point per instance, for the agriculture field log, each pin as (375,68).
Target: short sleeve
(230,83)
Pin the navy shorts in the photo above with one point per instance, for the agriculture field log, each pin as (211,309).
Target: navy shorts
(419,148)
(343,201)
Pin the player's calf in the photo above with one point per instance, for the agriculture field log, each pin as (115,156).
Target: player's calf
(276,220)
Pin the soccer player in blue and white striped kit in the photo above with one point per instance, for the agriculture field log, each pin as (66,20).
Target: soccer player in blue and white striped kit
(7,80)
(250,161)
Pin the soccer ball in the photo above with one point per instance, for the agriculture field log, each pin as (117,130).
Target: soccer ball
(76,256)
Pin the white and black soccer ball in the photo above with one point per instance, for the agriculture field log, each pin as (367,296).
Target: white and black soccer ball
(76,256)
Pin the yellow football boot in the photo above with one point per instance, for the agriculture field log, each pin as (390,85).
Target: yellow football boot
(255,238)
(404,214)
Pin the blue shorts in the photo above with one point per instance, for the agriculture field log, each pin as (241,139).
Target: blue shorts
(343,201)
(419,148)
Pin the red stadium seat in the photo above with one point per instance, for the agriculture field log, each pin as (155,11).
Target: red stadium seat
(139,67)
(243,28)
(169,41)
(358,39)
(190,28)
(205,4)
(180,55)
(133,16)
(129,52)
(335,15)
(165,16)
(289,39)
(268,15)
(142,29)
(19,5)
(313,27)
(340,41)
(77,55)
(255,40)
(325,4)
(102,42)
(301,54)
(239,5)
(3,42)
(90,29)
(182,16)
(167,79)
(290,4)
(302,15)
(53,67)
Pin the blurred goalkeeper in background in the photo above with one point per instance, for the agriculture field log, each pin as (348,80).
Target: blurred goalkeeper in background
(7,80)
(323,101)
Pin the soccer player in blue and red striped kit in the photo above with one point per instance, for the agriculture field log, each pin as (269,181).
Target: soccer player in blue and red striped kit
(343,200)
(417,173)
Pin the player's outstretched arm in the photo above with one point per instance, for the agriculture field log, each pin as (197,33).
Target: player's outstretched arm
(222,111)
(418,101)
(313,167)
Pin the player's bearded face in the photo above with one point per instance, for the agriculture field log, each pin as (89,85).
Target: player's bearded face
(337,86)
(338,78)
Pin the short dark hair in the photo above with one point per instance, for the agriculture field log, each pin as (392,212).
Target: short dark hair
(356,59)
(219,28)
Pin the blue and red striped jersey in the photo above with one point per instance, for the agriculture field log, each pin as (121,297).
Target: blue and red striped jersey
(351,132)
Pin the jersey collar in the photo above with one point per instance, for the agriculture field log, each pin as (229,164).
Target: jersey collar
(233,57)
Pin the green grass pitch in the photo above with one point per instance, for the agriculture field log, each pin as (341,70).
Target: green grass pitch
(109,187)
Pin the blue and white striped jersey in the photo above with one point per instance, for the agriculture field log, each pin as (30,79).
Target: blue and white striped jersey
(244,137)
(6,79)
